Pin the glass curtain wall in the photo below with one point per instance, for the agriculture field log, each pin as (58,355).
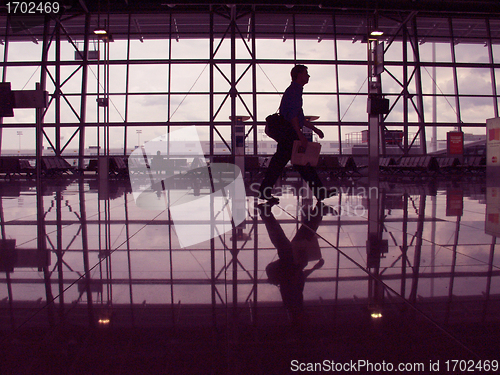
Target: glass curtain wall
(161,71)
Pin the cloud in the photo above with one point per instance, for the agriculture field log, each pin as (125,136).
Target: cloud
(474,81)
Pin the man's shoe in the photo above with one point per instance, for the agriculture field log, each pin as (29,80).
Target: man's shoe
(265,208)
(268,198)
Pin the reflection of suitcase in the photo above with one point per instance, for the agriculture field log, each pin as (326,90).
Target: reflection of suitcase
(310,156)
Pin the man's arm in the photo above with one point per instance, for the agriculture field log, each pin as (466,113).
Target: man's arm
(296,127)
(320,134)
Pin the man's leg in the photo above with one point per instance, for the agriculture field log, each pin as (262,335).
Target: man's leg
(276,234)
(276,166)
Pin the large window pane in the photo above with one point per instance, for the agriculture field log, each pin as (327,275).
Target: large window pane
(392,80)
(25,51)
(446,109)
(472,53)
(148,78)
(353,79)
(322,79)
(149,49)
(442,51)
(353,108)
(266,105)
(323,50)
(273,78)
(496,50)
(146,108)
(474,81)
(347,50)
(23,77)
(274,49)
(192,48)
(188,108)
(324,106)
(476,109)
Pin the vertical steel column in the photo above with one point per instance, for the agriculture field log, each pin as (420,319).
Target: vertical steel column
(255,152)
(41,234)
(254,83)
(234,123)
(3,234)
(104,158)
(492,68)
(455,76)
(41,239)
(406,96)
(211,84)
(106,85)
(434,99)
(57,90)
(418,84)
(4,70)
(213,274)
(83,102)
(233,92)
(294,41)
(169,88)
(127,84)
(39,112)
(373,118)
(336,57)
(8,280)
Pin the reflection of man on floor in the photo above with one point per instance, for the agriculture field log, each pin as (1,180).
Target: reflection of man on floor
(288,271)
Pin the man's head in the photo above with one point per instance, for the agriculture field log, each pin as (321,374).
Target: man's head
(299,74)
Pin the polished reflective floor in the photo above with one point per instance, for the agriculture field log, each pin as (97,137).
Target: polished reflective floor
(400,272)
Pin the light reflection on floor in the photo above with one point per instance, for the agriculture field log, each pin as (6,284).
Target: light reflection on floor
(432,277)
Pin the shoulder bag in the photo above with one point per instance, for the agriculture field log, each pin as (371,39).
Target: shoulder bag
(275,125)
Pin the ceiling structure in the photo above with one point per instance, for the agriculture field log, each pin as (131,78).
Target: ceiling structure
(450,6)
(314,20)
